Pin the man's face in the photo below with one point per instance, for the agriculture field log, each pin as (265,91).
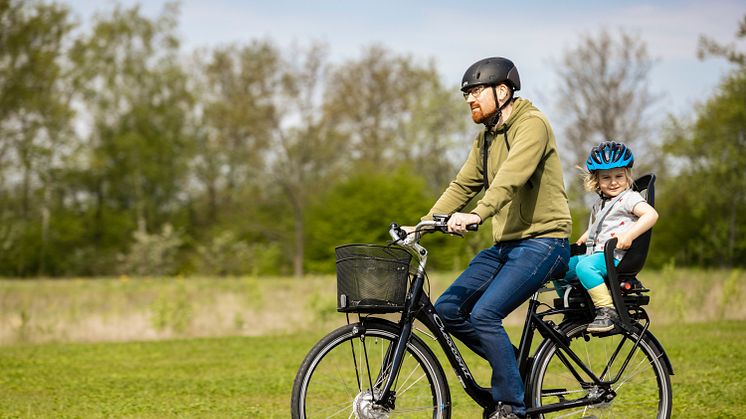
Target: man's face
(482,103)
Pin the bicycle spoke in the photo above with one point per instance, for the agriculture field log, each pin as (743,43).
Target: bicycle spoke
(415,409)
(643,389)
(571,413)
(638,370)
(345,406)
(588,358)
(402,391)
(331,389)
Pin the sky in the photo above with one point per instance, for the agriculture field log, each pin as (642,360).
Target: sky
(454,34)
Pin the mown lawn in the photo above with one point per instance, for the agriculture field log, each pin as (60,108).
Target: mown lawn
(252,376)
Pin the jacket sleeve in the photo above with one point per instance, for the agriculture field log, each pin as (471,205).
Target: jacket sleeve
(467,184)
(527,148)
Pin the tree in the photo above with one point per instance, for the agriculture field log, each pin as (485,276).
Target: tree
(359,209)
(704,201)
(604,91)
(35,119)
(437,134)
(381,101)
(307,149)
(373,114)
(134,93)
(705,224)
(711,48)
(237,85)
(603,95)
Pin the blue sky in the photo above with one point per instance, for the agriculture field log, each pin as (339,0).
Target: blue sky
(534,34)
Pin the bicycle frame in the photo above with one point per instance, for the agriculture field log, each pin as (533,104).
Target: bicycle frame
(419,307)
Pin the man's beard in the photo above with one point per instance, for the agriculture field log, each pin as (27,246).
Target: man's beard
(478,116)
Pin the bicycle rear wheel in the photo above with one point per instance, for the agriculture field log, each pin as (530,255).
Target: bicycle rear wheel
(347,368)
(642,391)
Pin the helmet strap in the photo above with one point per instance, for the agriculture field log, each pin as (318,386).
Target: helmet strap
(495,118)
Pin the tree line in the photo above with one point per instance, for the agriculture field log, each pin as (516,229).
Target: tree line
(120,153)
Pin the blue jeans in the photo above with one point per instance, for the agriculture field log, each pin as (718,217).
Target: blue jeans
(497,281)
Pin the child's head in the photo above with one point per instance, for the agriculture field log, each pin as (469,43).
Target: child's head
(609,167)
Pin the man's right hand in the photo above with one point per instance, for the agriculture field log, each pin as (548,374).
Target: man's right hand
(459,221)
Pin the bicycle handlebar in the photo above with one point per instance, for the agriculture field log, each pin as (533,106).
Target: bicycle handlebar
(438,223)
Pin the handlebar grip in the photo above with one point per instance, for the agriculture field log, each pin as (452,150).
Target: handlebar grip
(472,227)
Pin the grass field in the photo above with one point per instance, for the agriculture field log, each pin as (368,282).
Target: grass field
(126,309)
(230,347)
(252,376)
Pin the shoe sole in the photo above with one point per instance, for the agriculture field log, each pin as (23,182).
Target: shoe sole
(600,330)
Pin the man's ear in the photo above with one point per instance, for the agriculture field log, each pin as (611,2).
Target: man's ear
(502,92)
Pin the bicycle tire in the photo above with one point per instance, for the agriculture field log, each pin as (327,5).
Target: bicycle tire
(335,378)
(642,391)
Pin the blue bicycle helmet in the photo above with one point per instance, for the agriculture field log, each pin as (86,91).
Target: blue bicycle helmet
(609,155)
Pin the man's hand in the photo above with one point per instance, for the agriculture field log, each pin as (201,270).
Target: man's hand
(459,220)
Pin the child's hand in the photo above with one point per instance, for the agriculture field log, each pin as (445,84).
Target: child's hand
(624,241)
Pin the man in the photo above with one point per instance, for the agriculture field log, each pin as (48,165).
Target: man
(515,160)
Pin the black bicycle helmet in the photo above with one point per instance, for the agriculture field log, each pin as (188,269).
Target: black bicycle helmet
(491,71)
(609,155)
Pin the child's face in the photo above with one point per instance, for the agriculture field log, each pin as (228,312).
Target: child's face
(612,181)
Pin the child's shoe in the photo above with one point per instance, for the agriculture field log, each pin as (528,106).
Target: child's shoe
(605,320)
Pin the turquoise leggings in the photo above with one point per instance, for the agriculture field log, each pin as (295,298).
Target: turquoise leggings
(590,270)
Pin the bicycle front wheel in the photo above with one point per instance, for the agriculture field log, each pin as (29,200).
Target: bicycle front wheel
(643,389)
(343,375)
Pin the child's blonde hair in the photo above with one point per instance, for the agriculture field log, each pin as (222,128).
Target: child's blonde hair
(590,179)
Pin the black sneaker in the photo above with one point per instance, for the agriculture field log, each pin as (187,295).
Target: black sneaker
(606,318)
(503,412)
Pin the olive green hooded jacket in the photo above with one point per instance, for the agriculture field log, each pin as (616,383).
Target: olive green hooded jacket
(526,196)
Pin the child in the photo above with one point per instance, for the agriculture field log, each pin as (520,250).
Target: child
(619,212)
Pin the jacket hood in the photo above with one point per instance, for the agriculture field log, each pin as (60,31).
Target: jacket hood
(520,108)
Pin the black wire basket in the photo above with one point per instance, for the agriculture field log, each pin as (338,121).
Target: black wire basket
(371,278)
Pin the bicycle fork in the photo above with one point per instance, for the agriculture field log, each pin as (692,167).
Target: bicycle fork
(393,360)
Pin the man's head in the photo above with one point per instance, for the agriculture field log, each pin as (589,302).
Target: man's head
(488,87)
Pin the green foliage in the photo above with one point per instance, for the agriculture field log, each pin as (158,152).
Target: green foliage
(234,84)
(703,203)
(226,255)
(35,118)
(152,254)
(265,159)
(127,77)
(359,210)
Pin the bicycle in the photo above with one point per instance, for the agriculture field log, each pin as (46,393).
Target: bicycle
(377,368)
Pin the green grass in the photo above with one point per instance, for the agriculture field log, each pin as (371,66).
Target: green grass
(168,349)
(252,376)
(224,377)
